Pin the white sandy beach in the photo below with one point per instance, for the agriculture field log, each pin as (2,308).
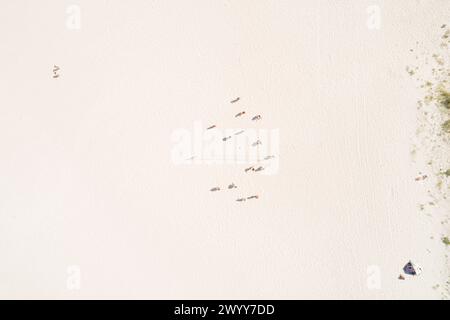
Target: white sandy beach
(88,188)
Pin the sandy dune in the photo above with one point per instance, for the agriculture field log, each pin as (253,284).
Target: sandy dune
(93,205)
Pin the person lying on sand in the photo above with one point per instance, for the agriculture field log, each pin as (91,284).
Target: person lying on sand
(256,118)
(212,127)
(215,189)
(232,186)
(235,100)
(241,199)
(240,114)
(253,197)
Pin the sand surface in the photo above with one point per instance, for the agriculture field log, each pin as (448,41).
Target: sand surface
(92,204)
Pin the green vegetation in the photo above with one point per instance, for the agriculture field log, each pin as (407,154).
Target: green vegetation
(443,97)
(446,241)
(446,126)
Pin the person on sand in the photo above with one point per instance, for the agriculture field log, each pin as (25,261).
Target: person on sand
(215,189)
(254,144)
(240,114)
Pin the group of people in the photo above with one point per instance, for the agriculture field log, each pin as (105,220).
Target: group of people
(255,144)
